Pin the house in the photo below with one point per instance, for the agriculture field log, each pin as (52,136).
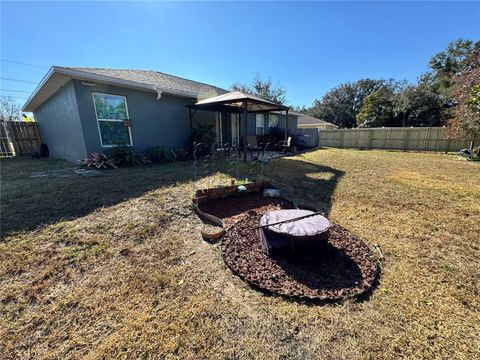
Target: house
(85,110)
(307,121)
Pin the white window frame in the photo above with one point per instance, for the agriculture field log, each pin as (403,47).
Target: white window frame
(113,120)
(270,116)
(262,122)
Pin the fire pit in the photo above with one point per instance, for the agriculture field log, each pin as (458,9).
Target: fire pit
(264,239)
(295,233)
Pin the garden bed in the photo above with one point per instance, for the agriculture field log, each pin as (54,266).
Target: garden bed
(343,268)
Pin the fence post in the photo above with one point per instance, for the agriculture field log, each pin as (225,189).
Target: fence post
(406,138)
(370,138)
(341,138)
(447,145)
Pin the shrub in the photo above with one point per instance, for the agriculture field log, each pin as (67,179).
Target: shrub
(157,154)
(203,134)
(180,154)
(124,155)
(99,161)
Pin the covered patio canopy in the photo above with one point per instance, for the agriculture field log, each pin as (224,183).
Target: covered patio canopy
(239,103)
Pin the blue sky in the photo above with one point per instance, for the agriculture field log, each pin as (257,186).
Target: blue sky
(307,47)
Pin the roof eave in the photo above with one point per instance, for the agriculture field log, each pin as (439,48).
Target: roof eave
(82,75)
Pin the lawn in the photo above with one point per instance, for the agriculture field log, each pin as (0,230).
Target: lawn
(114,266)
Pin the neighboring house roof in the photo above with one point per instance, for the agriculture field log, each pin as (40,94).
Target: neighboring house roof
(305,120)
(147,80)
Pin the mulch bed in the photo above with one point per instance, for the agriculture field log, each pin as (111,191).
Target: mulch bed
(234,208)
(344,267)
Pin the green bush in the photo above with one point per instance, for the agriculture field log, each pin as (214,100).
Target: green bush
(203,134)
(124,155)
(180,154)
(158,155)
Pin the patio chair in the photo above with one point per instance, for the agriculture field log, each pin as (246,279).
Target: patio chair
(285,145)
(253,146)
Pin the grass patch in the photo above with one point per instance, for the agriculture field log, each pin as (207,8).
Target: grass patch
(115,267)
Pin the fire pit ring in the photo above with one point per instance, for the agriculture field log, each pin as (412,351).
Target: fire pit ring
(295,233)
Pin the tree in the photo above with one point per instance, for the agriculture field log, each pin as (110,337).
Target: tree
(378,109)
(301,109)
(446,64)
(341,105)
(264,89)
(10,110)
(419,106)
(466,92)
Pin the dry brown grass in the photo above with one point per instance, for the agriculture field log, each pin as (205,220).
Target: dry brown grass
(115,267)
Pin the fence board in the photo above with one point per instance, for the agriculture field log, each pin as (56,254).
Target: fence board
(417,139)
(19,138)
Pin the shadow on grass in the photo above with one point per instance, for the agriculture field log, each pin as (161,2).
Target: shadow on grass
(306,182)
(37,192)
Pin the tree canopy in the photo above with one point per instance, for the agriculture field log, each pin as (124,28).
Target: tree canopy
(447,63)
(264,89)
(377,109)
(342,104)
(466,92)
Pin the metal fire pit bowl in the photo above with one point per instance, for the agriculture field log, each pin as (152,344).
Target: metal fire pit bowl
(293,233)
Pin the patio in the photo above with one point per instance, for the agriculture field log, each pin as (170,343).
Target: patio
(236,102)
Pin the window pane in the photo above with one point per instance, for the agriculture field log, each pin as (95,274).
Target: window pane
(114,133)
(259,123)
(110,107)
(273,120)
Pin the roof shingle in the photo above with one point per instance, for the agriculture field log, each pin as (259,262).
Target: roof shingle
(157,79)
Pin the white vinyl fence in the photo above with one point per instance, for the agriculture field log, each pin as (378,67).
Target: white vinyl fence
(416,139)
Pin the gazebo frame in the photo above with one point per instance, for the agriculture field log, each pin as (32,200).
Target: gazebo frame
(236,102)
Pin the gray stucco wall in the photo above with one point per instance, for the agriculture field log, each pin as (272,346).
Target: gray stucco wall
(59,125)
(163,122)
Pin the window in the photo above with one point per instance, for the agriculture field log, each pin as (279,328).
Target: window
(273,120)
(112,119)
(259,124)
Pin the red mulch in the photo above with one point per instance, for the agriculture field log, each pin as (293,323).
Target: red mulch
(344,268)
(234,208)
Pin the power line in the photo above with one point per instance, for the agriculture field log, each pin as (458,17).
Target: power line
(21,63)
(23,81)
(16,97)
(18,91)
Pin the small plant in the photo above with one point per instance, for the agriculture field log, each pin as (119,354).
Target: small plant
(124,155)
(99,161)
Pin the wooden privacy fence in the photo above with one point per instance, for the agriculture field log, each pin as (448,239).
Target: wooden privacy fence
(416,139)
(19,138)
